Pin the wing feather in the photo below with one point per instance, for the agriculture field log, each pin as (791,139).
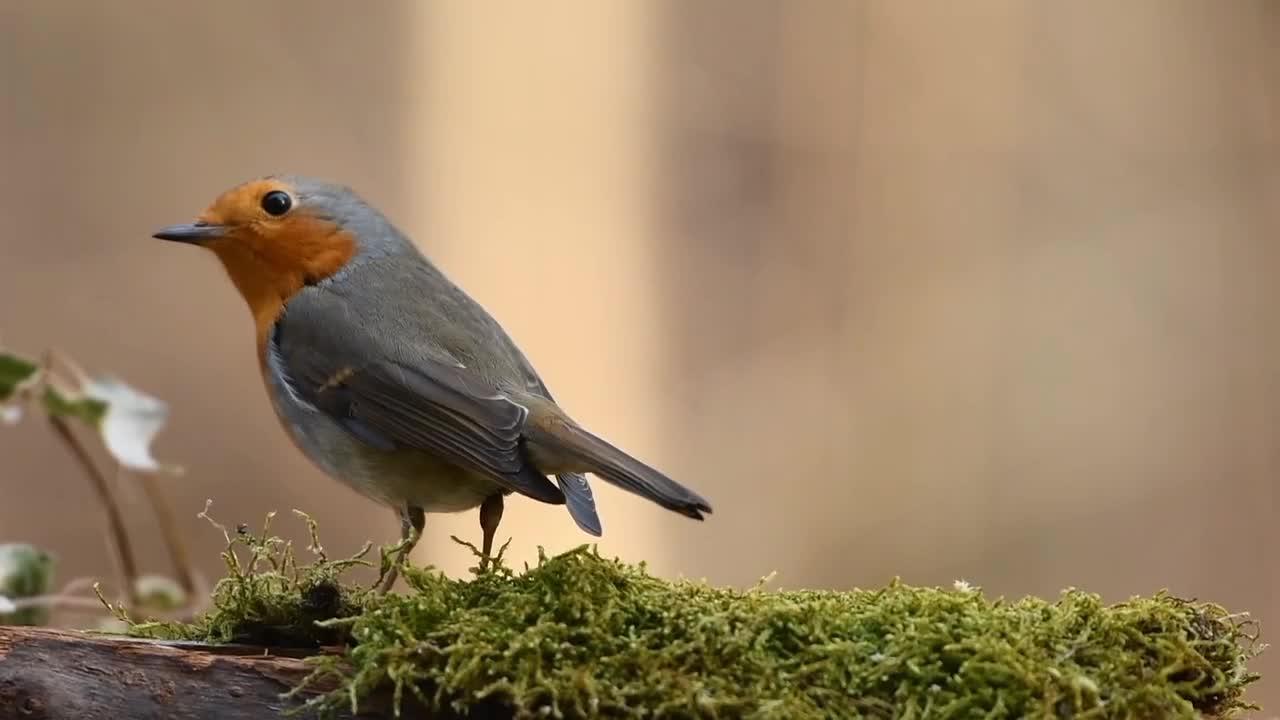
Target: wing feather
(431,405)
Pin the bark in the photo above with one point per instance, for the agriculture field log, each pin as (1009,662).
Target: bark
(58,674)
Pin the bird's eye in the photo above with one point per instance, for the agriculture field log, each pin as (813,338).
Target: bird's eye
(277,202)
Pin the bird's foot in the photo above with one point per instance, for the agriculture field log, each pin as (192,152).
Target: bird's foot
(490,516)
(392,559)
(412,522)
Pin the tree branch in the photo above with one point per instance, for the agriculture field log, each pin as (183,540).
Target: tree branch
(58,674)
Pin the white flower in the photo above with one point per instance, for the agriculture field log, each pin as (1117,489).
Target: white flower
(132,421)
(963,586)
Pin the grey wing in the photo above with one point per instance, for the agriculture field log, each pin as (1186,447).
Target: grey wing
(428,404)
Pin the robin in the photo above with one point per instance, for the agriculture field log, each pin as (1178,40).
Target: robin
(390,378)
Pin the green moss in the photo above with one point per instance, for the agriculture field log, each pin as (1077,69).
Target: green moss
(586,636)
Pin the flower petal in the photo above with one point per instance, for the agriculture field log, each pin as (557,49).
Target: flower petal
(131,422)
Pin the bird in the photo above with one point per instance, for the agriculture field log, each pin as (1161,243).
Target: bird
(390,378)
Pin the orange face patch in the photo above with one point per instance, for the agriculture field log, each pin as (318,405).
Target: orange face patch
(271,258)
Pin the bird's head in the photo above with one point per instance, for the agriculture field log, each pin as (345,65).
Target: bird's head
(278,234)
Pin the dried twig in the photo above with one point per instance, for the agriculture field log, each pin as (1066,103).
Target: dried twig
(115,522)
(58,601)
(169,529)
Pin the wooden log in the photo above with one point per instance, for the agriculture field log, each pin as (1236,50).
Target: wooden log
(57,674)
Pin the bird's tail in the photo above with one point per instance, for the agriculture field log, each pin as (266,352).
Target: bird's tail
(557,442)
(581,502)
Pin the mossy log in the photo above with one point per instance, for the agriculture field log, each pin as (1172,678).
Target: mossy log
(580,636)
(58,674)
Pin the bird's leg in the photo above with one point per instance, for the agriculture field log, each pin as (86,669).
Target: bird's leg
(490,516)
(412,521)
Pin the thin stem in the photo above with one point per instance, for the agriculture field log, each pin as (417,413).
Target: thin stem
(57,601)
(77,585)
(115,522)
(169,529)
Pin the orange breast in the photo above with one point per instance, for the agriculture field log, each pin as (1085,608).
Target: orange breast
(272,263)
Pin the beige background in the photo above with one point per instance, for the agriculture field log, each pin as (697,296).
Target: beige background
(905,289)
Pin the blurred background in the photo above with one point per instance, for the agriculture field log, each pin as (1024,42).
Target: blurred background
(981,290)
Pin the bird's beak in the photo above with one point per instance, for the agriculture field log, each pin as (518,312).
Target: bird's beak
(194,233)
